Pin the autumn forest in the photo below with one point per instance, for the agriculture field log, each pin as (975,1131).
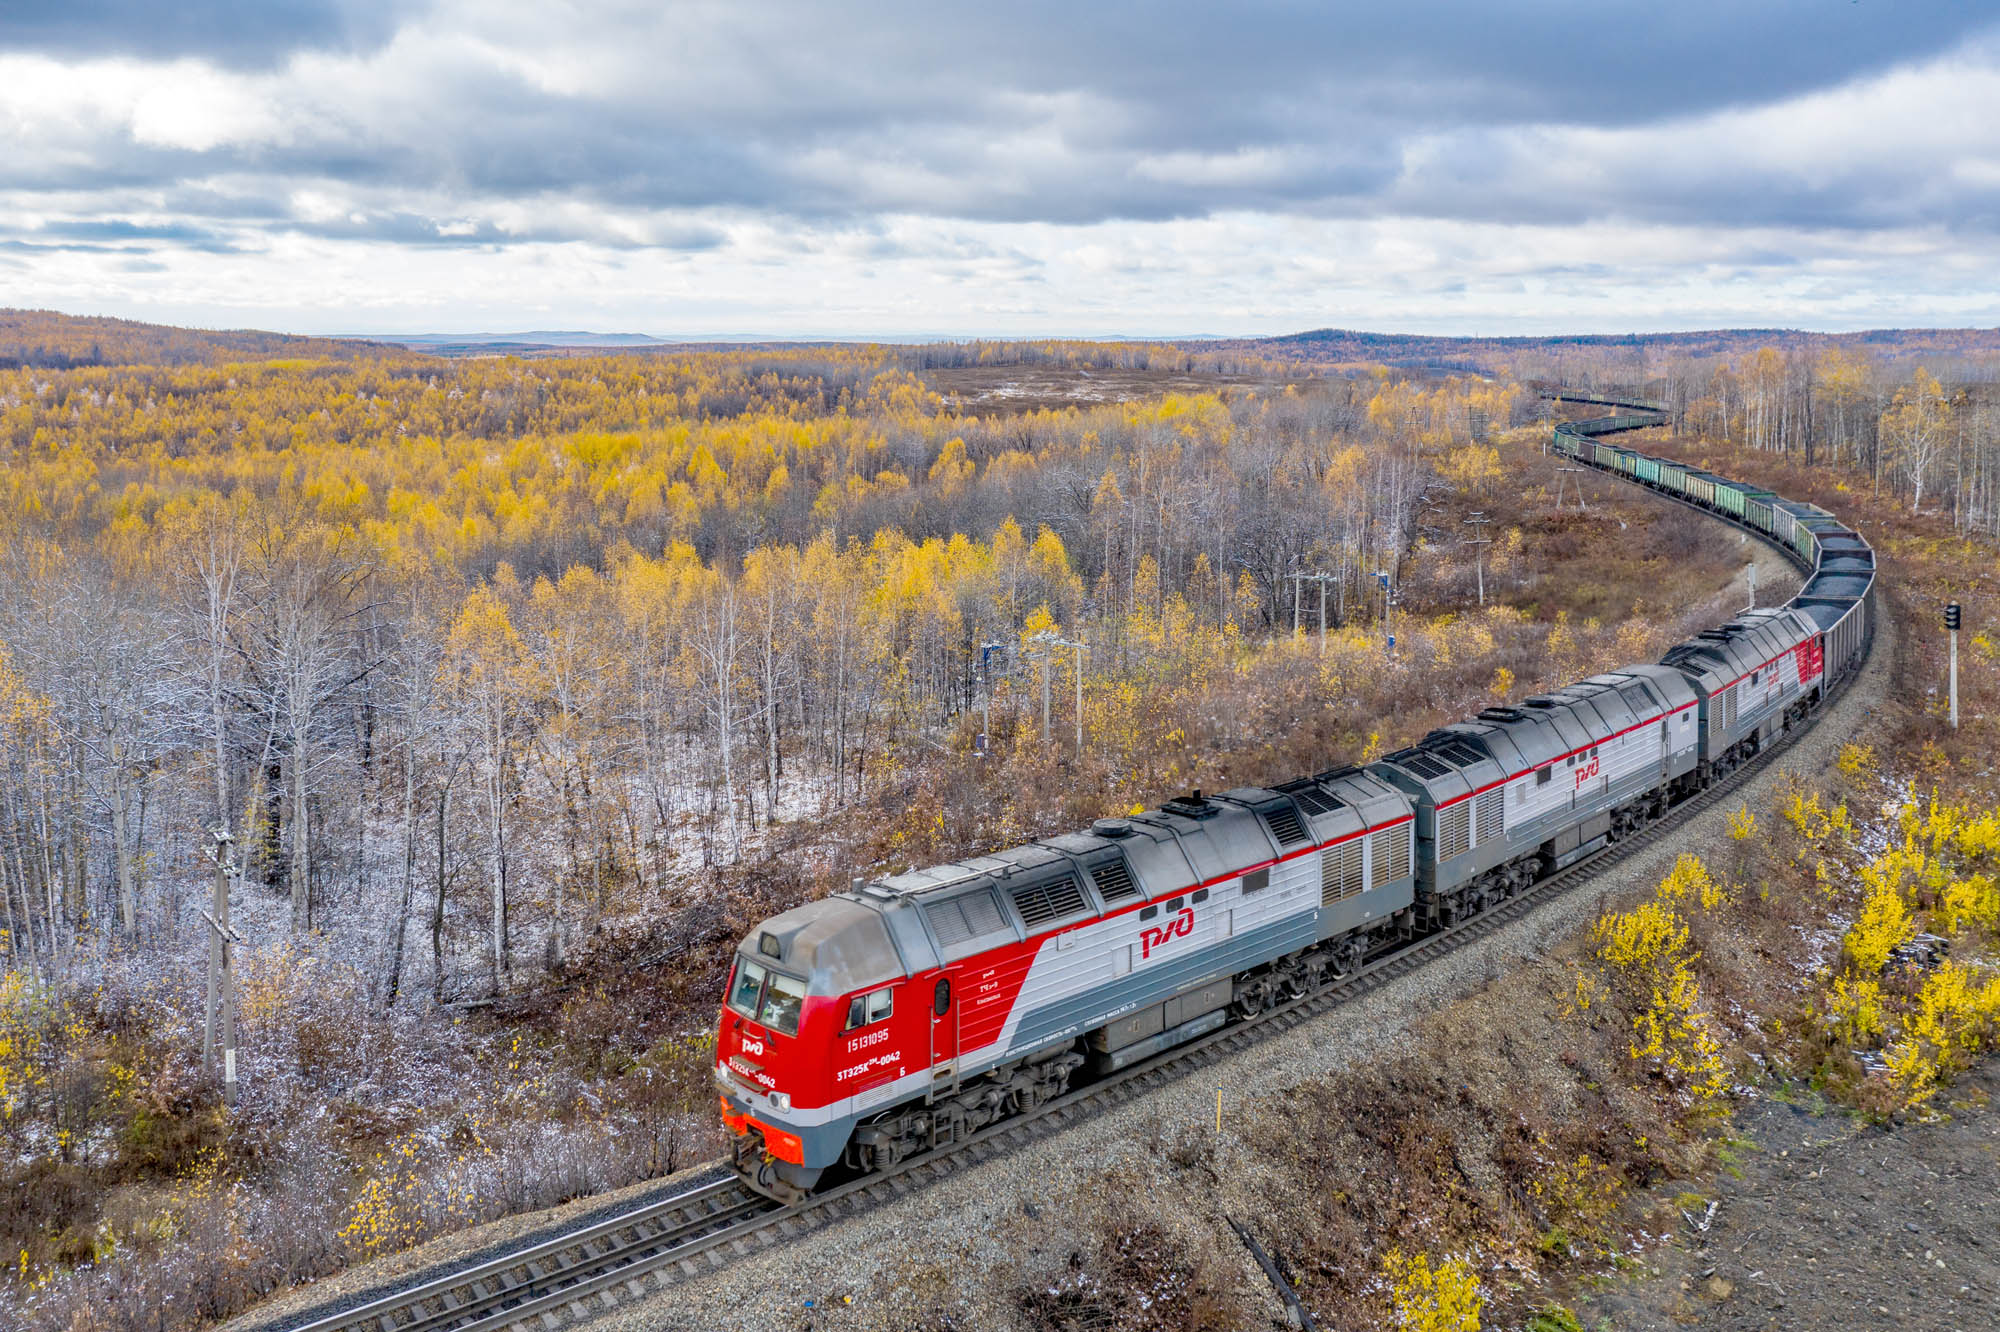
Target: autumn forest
(490,698)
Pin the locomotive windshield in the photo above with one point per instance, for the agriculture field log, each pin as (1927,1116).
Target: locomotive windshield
(767,996)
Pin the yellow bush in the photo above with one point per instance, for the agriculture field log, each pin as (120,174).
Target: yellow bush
(1581,1194)
(1855,760)
(1814,821)
(1883,926)
(1954,1018)
(1742,824)
(1690,878)
(1971,901)
(1979,838)
(1444,1298)
(1646,953)
(1644,941)
(1856,1011)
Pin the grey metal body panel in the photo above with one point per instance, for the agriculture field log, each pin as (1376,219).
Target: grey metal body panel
(837,946)
(1093,1008)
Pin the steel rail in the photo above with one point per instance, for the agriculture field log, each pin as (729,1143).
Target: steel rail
(503,1290)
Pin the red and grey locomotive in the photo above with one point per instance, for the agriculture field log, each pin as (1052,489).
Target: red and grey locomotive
(910,1012)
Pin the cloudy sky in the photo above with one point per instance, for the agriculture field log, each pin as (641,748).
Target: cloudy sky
(898,169)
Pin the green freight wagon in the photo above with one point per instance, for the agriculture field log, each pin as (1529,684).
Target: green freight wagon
(1646,468)
(1673,476)
(1734,497)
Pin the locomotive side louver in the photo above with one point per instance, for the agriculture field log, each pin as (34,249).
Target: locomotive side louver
(1491,812)
(1114,881)
(1041,903)
(1391,854)
(1285,826)
(1454,830)
(1340,872)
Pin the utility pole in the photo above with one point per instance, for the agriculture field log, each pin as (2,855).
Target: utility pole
(1952,616)
(1042,658)
(1561,472)
(1298,585)
(1388,634)
(1478,522)
(1752,575)
(221,853)
(1049,642)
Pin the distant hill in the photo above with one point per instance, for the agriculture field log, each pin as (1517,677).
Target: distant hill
(536,338)
(47,340)
(1339,346)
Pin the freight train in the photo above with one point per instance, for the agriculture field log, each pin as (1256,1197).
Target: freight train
(904,1015)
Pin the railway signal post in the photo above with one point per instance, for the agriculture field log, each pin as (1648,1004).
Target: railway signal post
(1952,616)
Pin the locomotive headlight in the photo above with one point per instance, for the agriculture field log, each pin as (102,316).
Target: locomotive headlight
(780,1101)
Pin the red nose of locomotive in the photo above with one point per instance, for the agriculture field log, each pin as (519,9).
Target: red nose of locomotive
(789,990)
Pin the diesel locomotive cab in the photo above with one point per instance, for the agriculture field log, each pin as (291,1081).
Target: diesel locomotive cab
(803,987)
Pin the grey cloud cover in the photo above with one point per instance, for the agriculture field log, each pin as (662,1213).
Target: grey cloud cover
(682,128)
(237,33)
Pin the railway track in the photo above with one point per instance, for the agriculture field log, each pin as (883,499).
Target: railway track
(570,1278)
(562,1277)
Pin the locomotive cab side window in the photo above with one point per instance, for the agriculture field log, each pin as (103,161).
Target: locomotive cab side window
(748,986)
(941,997)
(866,1009)
(1544,775)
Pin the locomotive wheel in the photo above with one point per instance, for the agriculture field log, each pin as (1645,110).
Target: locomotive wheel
(1346,958)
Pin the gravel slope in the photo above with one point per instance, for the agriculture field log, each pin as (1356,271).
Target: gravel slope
(1834,1225)
(932,1246)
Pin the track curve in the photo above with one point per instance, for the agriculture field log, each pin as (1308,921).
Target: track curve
(604,1264)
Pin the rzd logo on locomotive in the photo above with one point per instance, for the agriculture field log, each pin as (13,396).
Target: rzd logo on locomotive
(1155,935)
(1586,770)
